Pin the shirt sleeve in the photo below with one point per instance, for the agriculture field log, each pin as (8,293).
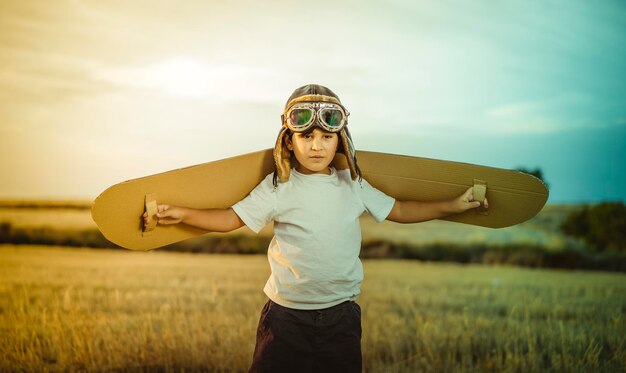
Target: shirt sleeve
(257,209)
(377,203)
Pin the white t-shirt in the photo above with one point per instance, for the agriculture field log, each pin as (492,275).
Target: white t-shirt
(314,255)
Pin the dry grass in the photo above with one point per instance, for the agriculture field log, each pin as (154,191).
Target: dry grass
(69,309)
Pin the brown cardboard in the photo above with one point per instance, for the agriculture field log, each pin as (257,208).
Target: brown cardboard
(513,196)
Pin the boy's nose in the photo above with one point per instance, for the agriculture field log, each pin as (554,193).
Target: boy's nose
(317,144)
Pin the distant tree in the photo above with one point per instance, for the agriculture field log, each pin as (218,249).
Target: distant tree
(602,226)
(535,172)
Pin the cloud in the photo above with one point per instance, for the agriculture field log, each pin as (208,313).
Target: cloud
(564,112)
(185,77)
(520,118)
(53,81)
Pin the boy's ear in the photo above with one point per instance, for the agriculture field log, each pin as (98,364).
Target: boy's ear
(288,143)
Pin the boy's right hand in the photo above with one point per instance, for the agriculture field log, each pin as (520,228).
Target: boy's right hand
(166,215)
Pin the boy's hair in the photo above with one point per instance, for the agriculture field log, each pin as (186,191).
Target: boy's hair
(282,156)
(289,134)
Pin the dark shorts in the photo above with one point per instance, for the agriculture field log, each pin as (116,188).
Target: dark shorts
(326,340)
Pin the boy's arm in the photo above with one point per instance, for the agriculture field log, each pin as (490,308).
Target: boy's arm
(214,220)
(416,212)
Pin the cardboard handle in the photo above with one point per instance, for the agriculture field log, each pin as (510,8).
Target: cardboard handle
(480,193)
(151,209)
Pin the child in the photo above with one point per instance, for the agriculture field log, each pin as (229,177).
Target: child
(311,322)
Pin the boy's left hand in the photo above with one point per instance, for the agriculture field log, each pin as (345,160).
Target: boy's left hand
(466,201)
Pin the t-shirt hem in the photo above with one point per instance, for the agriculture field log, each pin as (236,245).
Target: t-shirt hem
(308,306)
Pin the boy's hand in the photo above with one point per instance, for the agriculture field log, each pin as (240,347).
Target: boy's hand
(166,215)
(466,201)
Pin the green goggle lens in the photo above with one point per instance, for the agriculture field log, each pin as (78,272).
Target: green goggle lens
(300,117)
(333,118)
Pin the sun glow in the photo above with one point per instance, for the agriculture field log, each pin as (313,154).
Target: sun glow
(183,77)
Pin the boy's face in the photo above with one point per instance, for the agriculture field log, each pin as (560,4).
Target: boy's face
(314,151)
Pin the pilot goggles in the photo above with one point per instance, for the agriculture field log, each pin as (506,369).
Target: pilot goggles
(329,116)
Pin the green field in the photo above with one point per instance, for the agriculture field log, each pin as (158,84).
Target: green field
(102,310)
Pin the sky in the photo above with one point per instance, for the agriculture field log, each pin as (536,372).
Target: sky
(93,93)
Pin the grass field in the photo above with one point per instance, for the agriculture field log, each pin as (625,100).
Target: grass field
(100,310)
